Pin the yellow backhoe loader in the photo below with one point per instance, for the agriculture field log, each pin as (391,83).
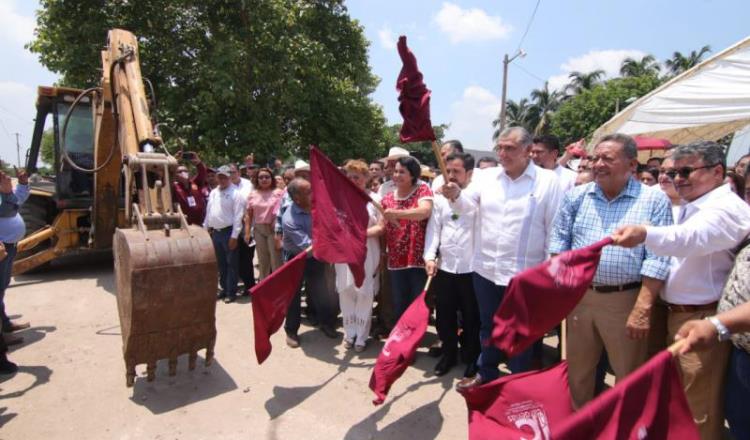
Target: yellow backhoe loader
(111,190)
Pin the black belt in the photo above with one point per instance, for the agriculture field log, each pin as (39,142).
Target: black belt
(210,230)
(617,288)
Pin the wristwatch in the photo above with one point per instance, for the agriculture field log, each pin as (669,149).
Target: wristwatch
(723,331)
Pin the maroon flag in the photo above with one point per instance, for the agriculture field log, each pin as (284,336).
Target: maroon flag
(400,348)
(538,298)
(414,98)
(520,406)
(339,216)
(271,298)
(649,403)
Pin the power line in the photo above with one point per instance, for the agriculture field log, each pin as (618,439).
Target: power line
(528,26)
(526,71)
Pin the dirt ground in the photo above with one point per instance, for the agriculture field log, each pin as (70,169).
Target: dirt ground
(71,382)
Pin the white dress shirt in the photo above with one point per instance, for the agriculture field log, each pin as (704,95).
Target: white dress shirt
(700,245)
(225,208)
(437,183)
(245,186)
(514,219)
(452,233)
(566,176)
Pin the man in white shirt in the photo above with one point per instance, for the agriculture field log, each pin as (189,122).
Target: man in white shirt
(713,221)
(544,152)
(452,146)
(450,236)
(517,205)
(224,211)
(245,250)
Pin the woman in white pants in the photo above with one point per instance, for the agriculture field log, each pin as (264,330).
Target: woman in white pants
(356,303)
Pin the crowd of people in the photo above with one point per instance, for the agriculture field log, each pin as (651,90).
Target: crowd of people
(680,224)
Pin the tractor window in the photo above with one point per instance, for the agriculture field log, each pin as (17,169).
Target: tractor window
(79,144)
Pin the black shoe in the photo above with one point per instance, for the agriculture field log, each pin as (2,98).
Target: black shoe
(435,351)
(292,340)
(229,299)
(329,332)
(471,369)
(219,296)
(445,364)
(7,367)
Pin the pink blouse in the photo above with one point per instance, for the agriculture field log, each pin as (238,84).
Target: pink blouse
(264,205)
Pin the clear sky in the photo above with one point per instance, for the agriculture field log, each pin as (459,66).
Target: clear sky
(459,46)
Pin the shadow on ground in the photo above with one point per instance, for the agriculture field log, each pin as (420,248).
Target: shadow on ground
(5,416)
(31,335)
(167,393)
(86,265)
(41,376)
(424,422)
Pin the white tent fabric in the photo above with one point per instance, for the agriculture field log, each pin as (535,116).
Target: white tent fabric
(740,145)
(706,102)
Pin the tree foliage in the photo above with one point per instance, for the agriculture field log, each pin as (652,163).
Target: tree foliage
(233,76)
(580,115)
(421,150)
(680,63)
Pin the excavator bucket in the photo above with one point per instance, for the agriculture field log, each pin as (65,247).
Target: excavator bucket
(166,296)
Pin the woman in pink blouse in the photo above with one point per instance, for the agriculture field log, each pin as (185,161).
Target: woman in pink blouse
(262,207)
(407,210)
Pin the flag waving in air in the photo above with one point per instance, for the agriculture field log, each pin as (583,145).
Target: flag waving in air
(339,216)
(414,98)
(538,298)
(271,299)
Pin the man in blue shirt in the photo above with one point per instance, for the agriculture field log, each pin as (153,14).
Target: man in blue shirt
(12,229)
(615,312)
(297,229)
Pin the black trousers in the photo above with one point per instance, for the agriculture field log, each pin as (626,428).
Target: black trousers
(454,294)
(246,270)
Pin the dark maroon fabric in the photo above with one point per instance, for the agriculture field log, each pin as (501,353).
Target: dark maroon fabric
(414,98)
(399,350)
(271,299)
(647,404)
(538,298)
(520,406)
(339,216)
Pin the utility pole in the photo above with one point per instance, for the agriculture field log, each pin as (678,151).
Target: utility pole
(18,150)
(507,60)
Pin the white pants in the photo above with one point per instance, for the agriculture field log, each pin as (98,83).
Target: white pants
(356,309)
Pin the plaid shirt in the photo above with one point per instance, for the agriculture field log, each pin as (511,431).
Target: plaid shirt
(586,216)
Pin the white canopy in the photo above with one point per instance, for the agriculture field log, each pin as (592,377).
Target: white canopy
(706,102)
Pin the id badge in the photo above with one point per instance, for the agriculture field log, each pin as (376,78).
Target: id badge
(191,201)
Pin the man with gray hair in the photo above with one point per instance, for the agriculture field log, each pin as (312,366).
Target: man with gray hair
(711,224)
(515,205)
(614,314)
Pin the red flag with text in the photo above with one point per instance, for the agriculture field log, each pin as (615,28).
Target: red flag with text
(399,350)
(271,298)
(648,404)
(339,216)
(540,297)
(414,98)
(519,406)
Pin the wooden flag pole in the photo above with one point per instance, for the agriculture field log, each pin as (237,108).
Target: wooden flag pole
(675,347)
(563,339)
(440,161)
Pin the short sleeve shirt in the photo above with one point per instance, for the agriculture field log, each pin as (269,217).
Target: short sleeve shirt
(405,242)
(264,205)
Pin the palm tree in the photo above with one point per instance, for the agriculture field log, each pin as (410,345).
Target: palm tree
(580,81)
(680,63)
(545,102)
(631,67)
(520,113)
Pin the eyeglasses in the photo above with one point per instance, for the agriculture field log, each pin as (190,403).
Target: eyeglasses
(685,172)
(263,177)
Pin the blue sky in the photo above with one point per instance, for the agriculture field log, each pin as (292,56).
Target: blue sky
(459,46)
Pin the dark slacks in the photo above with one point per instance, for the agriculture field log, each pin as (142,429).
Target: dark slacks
(6,266)
(314,279)
(454,294)
(489,296)
(406,285)
(226,259)
(245,269)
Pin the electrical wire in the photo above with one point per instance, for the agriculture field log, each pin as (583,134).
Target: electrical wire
(526,71)
(528,26)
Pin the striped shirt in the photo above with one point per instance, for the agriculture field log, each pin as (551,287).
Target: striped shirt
(587,216)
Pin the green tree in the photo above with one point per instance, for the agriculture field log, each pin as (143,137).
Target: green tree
(518,113)
(647,65)
(47,149)
(580,81)
(546,102)
(580,115)
(233,76)
(680,63)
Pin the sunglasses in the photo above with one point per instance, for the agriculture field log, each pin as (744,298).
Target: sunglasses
(685,172)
